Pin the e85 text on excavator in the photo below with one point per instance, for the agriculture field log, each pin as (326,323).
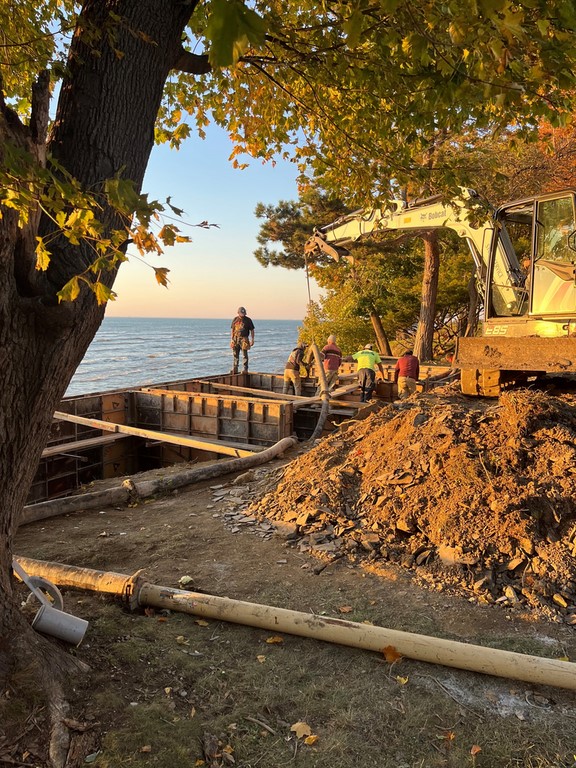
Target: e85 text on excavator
(524,254)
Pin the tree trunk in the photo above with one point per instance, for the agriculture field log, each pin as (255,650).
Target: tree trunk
(381,337)
(104,126)
(423,345)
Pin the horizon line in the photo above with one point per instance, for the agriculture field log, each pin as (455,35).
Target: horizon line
(178,317)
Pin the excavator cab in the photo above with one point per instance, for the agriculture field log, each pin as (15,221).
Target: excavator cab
(536,279)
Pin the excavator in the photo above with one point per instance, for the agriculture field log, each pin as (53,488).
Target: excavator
(524,254)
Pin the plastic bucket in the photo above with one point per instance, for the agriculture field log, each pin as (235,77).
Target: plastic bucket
(60,624)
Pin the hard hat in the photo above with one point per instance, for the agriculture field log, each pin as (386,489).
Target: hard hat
(241,310)
(368,346)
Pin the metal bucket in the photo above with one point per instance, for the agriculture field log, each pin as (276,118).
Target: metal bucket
(60,624)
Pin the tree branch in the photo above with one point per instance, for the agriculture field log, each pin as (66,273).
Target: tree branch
(40,114)
(193,63)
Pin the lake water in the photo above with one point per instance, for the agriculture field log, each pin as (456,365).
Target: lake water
(129,352)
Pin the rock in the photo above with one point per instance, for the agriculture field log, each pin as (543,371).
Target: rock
(559,600)
(244,478)
(516,563)
(423,556)
(511,595)
(527,545)
(455,556)
(370,541)
(286,530)
(406,524)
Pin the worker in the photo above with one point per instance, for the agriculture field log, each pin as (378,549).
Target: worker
(241,338)
(331,359)
(292,369)
(367,360)
(406,374)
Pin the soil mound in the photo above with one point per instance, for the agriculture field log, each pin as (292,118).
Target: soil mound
(474,496)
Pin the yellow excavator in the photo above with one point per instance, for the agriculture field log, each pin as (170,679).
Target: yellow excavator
(524,253)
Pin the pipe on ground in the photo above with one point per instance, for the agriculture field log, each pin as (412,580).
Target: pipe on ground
(448,653)
(324,393)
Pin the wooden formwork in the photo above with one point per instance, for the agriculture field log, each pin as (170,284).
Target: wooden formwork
(231,419)
(266,382)
(76,455)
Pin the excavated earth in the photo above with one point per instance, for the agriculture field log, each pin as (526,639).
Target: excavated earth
(472,496)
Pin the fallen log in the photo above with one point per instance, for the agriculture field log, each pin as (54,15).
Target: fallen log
(434,650)
(199,474)
(45,509)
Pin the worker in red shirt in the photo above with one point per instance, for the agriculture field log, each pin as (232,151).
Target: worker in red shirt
(406,374)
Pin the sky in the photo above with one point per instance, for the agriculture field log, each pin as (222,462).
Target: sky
(217,272)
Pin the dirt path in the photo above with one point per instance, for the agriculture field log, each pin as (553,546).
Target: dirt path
(166,690)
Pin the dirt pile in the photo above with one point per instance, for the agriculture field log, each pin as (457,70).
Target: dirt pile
(474,496)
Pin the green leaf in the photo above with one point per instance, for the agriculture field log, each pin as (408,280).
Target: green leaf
(353,27)
(231,28)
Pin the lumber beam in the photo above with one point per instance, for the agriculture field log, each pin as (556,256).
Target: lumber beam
(164,437)
(81,445)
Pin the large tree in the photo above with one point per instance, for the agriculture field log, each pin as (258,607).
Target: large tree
(349,85)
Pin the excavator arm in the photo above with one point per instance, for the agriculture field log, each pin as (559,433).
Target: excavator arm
(432,213)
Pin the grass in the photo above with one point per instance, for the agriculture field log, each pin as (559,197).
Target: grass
(247,694)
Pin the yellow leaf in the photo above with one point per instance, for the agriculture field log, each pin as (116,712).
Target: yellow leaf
(261,659)
(391,654)
(401,680)
(301,729)
(228,749)
(103,293)
(70,291)
(274,640)
(198,763)
(202,623)
(192,713)
(162,275)
(42,255)
(181,640)
(345,608)
(168,690)
(312,739)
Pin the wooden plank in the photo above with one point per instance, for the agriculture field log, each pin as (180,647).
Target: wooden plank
(165,437)
(250,390)
(81,445)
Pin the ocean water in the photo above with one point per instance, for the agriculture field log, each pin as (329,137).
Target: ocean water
(130,352)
